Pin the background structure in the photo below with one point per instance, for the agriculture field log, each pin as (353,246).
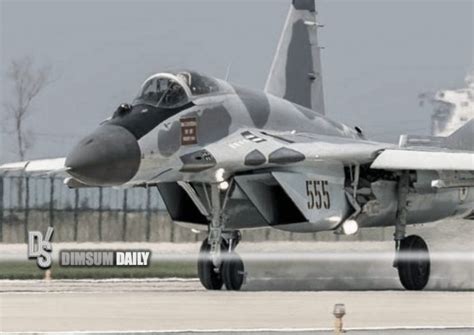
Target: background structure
(110,214)
(378,57)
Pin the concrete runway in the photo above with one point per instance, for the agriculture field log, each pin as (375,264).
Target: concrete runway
(160,305)
(291,288)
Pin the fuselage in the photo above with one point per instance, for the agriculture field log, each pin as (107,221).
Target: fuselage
(217,117)
(179,114)
(149,143)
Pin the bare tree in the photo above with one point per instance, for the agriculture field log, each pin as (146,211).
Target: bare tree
(27,82)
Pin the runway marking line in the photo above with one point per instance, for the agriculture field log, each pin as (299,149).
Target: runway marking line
(245,330)
(104,280)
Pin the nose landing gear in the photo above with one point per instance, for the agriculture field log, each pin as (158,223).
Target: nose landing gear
(218,263)
(224,268)
(209,274)
(233,272)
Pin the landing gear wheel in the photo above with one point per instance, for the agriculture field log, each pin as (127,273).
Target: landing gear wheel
(233,272)
(209,277)
(413,263)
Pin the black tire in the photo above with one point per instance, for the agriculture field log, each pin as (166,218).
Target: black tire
(233,271)
(413,263)
(208,277)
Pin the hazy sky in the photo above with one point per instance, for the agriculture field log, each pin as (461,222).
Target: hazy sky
(378,56)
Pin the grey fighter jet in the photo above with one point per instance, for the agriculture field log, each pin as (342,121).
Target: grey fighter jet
(226,158)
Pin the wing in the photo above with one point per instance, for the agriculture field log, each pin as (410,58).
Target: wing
(251,149)
(455,152)
(43,167)
(413,159)
(37,167)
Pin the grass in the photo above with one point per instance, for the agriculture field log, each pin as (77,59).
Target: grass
(157,269)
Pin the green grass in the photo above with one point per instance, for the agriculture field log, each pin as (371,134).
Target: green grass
(157,269)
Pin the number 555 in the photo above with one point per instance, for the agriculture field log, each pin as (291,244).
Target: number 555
(318,195)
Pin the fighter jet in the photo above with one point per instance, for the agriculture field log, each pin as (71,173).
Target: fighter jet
(226,158)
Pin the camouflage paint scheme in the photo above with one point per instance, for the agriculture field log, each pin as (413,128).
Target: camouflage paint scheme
(310,143)
(289,166)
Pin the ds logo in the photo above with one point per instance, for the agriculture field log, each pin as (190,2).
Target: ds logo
(40,248)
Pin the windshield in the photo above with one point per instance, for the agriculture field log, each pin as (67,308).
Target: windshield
(162,92)
(168,90)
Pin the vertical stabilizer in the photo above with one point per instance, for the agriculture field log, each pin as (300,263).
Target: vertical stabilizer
(295,73)
(463,138)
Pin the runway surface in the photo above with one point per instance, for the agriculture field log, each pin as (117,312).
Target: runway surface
(291,288)
(160,305)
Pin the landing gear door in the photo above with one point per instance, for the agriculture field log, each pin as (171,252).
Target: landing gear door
(319,195)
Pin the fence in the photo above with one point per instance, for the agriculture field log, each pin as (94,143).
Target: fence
(29,203)
(50,193)
(108,214)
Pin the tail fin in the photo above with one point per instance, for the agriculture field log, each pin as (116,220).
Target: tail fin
(463,138)
(295,73)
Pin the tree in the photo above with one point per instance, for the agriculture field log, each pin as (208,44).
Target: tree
(27,82)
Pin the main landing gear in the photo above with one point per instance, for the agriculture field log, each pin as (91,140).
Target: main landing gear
(412,258)
(413,263)
(218,263)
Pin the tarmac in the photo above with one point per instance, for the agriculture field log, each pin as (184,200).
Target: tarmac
(182,305)
(291,288)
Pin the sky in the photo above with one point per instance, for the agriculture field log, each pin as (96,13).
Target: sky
(378,56)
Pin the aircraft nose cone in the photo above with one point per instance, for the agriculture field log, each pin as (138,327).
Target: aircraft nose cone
(109,156)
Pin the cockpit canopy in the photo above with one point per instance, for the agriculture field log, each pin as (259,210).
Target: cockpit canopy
(174,89)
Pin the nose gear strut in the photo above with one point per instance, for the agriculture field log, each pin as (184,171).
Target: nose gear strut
(218,263)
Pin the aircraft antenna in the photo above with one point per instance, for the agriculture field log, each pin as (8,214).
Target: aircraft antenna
(227,73)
